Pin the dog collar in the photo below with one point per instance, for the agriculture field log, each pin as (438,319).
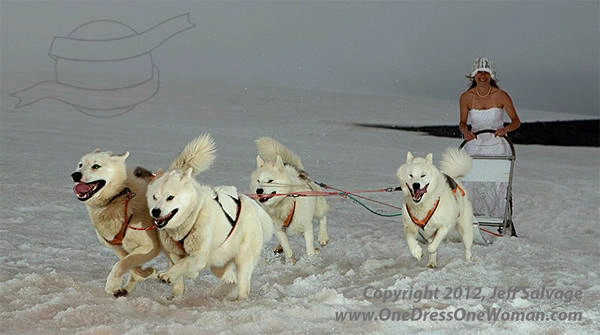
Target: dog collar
(125,191)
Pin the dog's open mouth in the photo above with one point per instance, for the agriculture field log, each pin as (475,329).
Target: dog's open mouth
(163,221)
(417,192)
(262,198)
(84,191)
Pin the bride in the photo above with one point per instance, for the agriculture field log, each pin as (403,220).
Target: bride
(483,105)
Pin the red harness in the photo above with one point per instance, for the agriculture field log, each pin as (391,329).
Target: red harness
(180,242)
(288,219)
(423,222)
(462,192)
(118,239)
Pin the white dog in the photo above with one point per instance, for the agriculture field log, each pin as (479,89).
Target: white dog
(202,226)
(435,201)
(115,198)
(280,171)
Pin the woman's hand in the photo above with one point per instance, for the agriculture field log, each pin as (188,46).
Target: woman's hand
(500,132)
(469,135)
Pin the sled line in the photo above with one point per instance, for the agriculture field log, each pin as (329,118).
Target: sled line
(371,210)
(353,193)
(490,232)
(339,192)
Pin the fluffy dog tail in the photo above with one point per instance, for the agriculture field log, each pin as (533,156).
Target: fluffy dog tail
(269,149)
(455,163)
(198,154)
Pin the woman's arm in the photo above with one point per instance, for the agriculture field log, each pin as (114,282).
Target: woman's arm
(509,108)
(464,114)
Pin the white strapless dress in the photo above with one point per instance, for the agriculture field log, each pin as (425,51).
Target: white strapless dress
(487,144)
(488,198)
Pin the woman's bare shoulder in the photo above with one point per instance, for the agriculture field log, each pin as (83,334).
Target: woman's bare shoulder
(501,93)
(468,93)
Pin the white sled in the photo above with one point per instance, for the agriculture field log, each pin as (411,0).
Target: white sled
(493,169)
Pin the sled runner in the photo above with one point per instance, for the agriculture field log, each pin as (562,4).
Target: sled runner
(492,171)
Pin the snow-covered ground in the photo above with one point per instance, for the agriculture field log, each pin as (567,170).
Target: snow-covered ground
(52,268)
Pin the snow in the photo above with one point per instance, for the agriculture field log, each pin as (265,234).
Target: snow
(53,268)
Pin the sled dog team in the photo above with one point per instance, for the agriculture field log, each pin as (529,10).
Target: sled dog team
(137,214)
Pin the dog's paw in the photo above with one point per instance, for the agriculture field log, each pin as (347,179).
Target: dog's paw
(165,277)
(278,249)
(113,285)
(229,276)
(291,260)
(468,256)
(120,293)
(178,288)
(432,260)
(323,238)
(241,297)
(417,252)
(176,296)
(313,252)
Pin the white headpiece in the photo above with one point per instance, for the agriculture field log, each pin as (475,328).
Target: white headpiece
(483,64)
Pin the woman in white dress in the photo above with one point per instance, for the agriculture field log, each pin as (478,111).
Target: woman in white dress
(483,105)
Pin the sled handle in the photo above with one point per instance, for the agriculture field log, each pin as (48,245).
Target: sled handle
(510,143)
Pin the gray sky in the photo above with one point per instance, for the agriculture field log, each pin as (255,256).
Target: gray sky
(547,53)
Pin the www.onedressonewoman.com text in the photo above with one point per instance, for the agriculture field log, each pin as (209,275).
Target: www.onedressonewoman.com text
(459,314)
(447,294)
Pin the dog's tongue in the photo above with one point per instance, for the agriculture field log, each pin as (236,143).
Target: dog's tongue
(82,188)
(419,193)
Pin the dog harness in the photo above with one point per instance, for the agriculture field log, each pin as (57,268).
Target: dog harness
(231,220)
(423,222)
(180,242)
(288,219)
(454,185)
(118,239)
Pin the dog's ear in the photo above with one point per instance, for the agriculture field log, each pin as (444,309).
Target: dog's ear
(123,156)
(409,157)
(279,163)
(97,150)
(259,161)
(429,158)
(159,173)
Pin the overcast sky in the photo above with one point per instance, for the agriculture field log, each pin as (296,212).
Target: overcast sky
(547,53)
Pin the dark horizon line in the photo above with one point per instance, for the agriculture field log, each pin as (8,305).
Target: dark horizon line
(570,133)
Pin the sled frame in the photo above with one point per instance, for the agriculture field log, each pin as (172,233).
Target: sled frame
(495,169)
